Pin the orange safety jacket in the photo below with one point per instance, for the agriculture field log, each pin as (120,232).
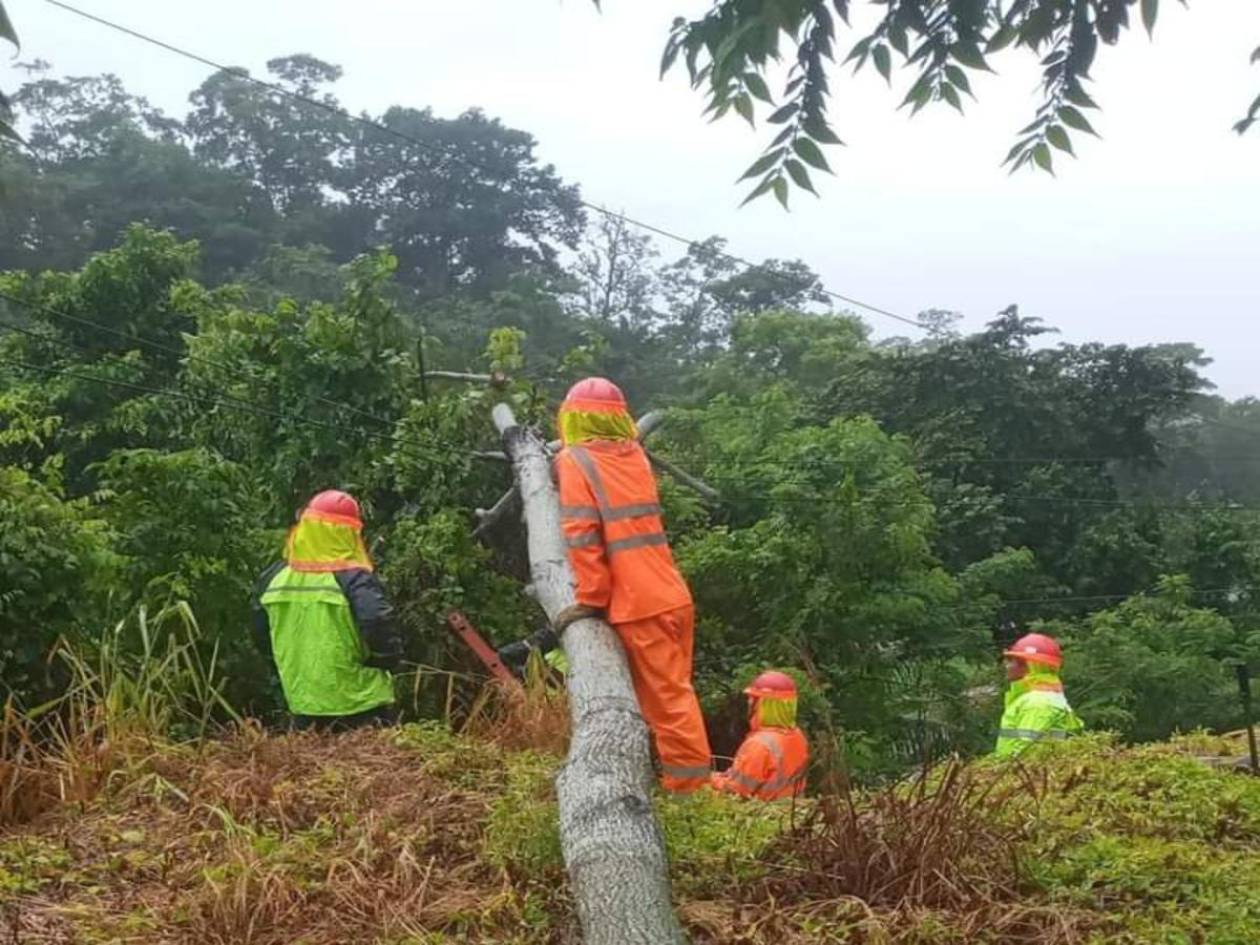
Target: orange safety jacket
(611,515)
(770,764)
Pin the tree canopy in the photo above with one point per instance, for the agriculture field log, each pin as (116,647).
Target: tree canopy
(198,331)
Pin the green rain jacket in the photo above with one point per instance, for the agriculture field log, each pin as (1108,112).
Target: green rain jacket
(1036,710)
(332,637)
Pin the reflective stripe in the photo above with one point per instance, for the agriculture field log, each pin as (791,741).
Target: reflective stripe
(622,512)
(584,541)
(302,589)
(607,511)
(676,771)
(774,784)
(636,541)
(1031,734)
(771,744)
(591,471)
(586,512)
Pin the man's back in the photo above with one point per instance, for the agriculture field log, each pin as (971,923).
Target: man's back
(315,629)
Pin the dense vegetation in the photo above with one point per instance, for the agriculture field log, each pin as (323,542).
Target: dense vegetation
(207,318)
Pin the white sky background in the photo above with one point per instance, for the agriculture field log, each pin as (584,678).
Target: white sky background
(1153,235)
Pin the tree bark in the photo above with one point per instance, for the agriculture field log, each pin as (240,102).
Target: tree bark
(613,849)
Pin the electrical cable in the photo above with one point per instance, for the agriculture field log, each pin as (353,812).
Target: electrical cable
(428,146)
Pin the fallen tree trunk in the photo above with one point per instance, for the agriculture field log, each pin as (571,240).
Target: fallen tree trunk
(613,848)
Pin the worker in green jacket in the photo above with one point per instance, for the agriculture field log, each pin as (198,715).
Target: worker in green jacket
(323,618)
(1036,709)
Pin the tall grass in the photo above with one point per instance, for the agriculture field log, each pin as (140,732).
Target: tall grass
(146,682)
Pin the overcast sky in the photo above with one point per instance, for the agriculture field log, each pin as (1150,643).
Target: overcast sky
(1153,235)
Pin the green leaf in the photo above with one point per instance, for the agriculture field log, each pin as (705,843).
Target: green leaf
(759,190)
(801,176)
(784,133)
(959,78)
(900,41)
(1041,154)
(1001,39)
(784,113)
(921,87)
(1255,56)
(883,62)
(811,154)
(860,49)
(757,86)
(950,94)
(780,188)
(1059,138)
(744,106)
(1078,96)
(1150,10)
(672,48)
(817,129)
(969,55)
(764,163)
(1074,119)
(7,31)
(1021,147)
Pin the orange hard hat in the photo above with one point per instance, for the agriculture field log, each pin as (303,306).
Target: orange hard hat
(333,505)
(772,683)
(595,392)
(1037,648)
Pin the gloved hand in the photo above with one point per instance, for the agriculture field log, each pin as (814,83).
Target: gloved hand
(515,654)
(572,614)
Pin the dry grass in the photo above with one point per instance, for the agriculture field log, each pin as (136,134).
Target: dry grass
(269,840)
(520,717)
(925,861)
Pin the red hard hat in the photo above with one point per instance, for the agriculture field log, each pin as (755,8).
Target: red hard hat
(596,392)
(772,683)
(333,505)
(1037,648)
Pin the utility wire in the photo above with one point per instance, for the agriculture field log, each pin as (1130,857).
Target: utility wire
(428,146)
(232,403)
(434,449)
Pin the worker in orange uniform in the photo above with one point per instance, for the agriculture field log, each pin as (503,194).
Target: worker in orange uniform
(611,516)
(772,761)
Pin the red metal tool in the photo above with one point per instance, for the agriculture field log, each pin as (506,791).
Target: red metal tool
(484,651)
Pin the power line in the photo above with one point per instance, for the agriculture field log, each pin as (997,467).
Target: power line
(1208,591)
(431,449)
(424,145)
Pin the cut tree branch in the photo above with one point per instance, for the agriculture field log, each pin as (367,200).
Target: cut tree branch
(493,379)
(706,491)
(488,518)
(613,847)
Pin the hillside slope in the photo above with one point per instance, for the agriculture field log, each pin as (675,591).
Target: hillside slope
(418,836)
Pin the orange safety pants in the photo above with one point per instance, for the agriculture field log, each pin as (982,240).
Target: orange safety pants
(659,651)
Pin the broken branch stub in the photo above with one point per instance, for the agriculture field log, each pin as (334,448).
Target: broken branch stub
(613,849)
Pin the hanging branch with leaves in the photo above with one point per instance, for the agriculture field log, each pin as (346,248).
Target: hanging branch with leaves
(6,112)
(729,51)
